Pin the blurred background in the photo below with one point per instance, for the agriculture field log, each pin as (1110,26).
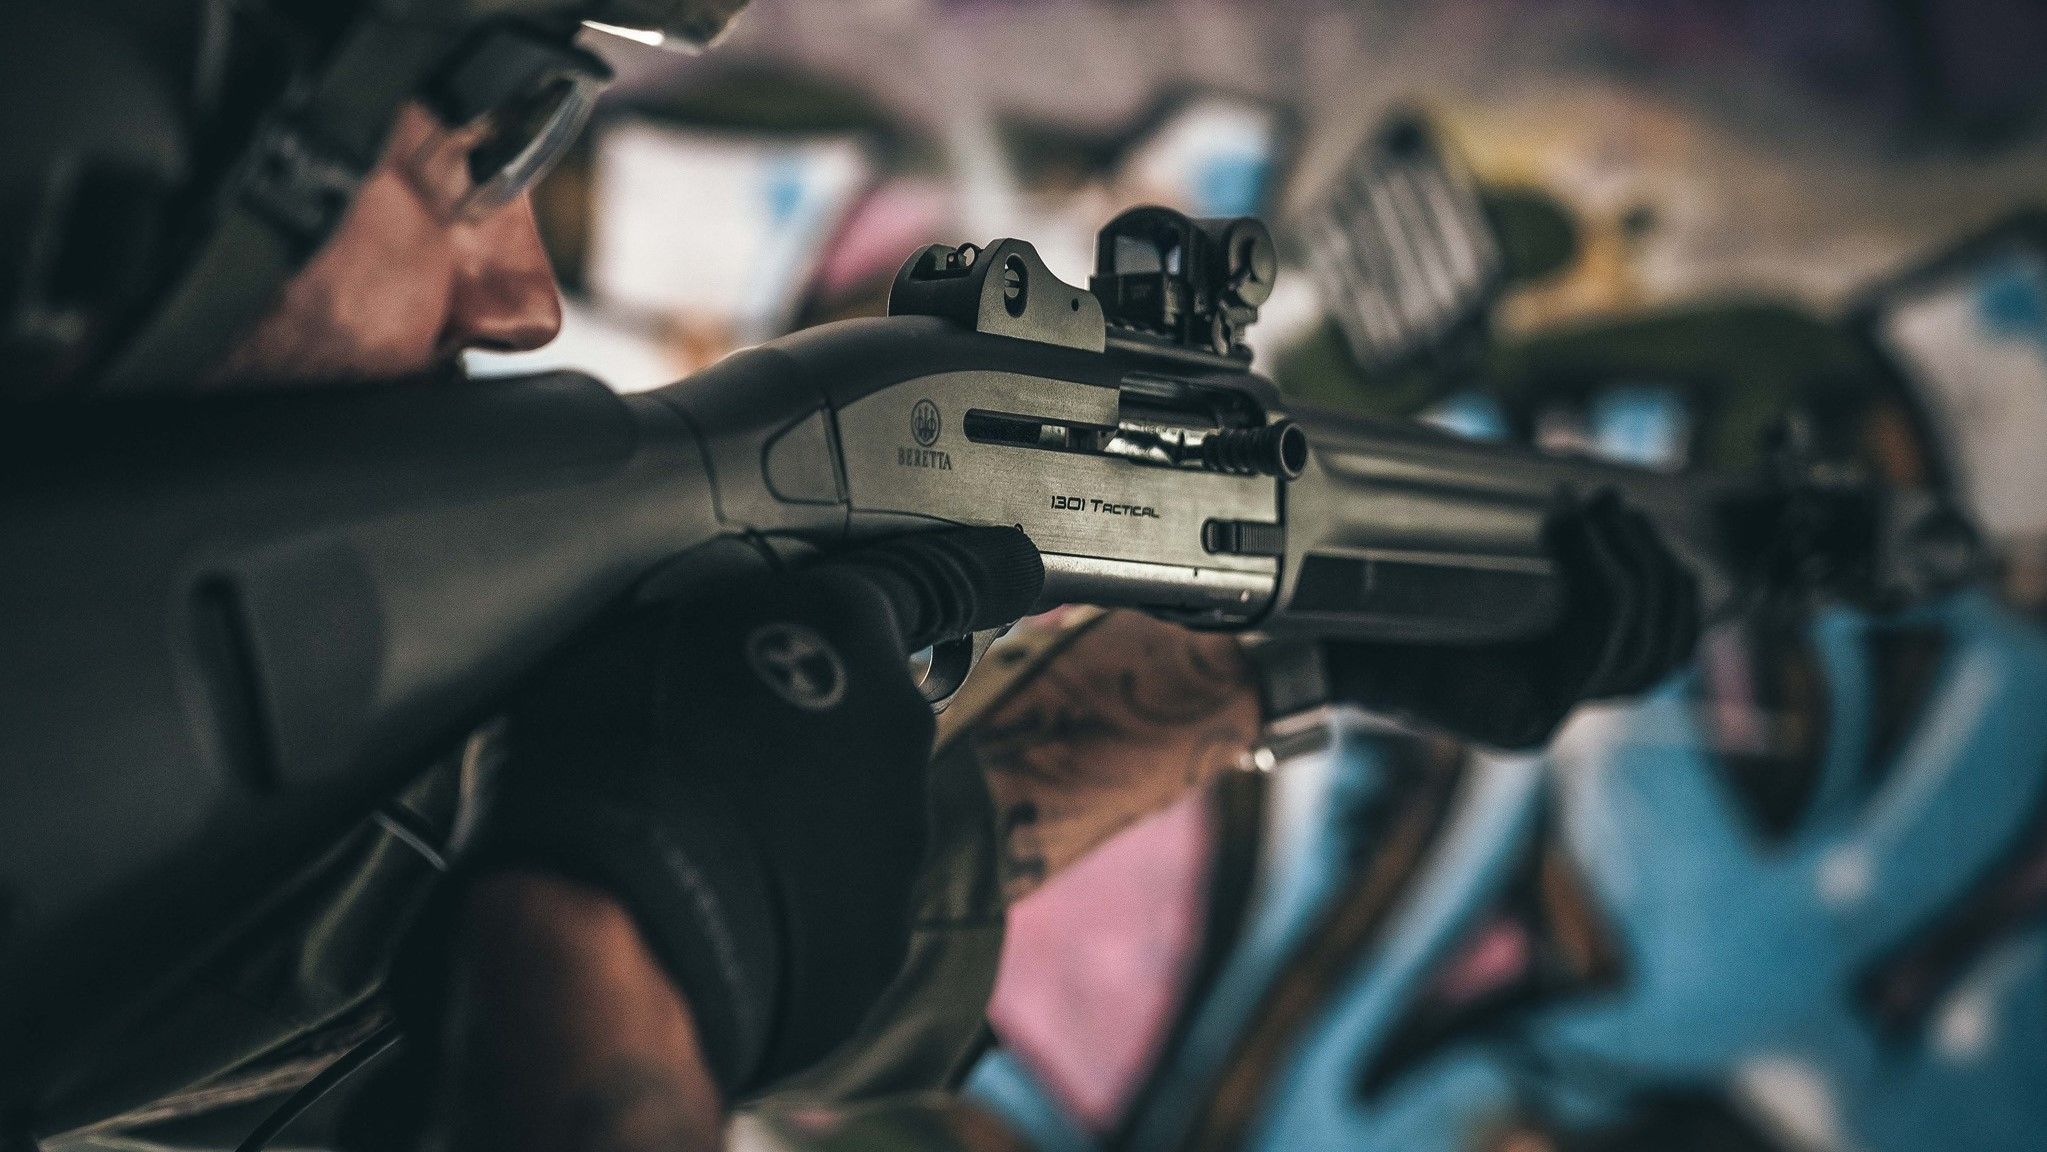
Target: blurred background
(1689,232)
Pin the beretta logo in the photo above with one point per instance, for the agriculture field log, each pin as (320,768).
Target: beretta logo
(924,425)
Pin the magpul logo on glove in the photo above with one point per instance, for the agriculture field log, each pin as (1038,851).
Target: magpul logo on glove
(798,664)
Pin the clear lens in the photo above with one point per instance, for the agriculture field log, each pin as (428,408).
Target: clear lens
(687,24)
(469,172)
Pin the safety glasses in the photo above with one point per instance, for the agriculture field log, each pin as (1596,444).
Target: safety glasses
(507,110)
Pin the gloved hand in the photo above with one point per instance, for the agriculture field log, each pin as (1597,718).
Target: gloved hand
(1631,616)
(746,774)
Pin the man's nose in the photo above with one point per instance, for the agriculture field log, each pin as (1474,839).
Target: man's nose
(505,298)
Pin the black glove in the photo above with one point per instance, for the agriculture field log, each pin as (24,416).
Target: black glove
(746,773)
(1631,616)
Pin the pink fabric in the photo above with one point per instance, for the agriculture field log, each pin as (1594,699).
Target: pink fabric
(885,225)
(1094,962)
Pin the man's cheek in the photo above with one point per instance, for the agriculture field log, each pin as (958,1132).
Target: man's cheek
(392,268)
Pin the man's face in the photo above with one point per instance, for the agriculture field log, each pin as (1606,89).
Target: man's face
(398,291)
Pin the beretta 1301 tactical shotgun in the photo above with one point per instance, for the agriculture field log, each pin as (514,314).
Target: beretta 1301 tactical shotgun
(234,624)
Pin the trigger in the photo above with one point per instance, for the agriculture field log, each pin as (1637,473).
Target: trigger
(942,668)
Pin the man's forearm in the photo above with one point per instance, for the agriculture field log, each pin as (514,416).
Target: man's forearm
(1117,725)
(564,1033)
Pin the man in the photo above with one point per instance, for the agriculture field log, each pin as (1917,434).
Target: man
(691,884)
(436,287)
